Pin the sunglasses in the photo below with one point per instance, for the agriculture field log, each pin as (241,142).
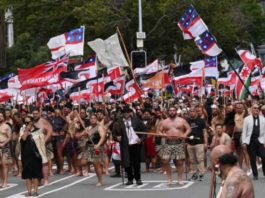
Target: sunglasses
(26,123)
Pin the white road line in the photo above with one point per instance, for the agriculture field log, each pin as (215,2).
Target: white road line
(136,186)
(66,186)
(54,182)
(154,188)
(8,187)
(18,195)
(71,184)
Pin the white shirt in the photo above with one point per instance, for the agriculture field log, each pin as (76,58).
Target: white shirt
(131,135)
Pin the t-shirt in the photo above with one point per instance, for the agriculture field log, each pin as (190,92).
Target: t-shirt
(57,123)
(197,125)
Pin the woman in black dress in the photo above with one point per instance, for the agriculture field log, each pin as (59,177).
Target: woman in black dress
(30,156)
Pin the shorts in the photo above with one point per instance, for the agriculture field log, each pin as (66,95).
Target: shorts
(237,139)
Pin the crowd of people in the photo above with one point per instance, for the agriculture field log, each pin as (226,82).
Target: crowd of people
(80,137)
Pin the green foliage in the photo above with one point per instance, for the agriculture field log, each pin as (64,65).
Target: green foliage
(232,22)
(25,54)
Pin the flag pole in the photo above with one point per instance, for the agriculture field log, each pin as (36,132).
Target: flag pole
(84,40)
(127,57)
(239,77)
(202,83)
(97,78)
(163,84)
(126,53)
(17,99)
(79,100)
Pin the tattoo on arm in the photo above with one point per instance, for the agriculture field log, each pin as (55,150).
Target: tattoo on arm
(238,185)
(232,189)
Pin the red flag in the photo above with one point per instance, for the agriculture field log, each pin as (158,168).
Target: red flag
(43,74)
(249,59)
(114,72)
(115,87)
(134,92)
(194,77)
(4,95)
(167,79)
(228,81)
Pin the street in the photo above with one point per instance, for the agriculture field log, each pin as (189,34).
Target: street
(64,186)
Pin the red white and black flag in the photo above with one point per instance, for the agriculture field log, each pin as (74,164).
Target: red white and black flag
(43,74)
(78,76)
(87,88)
(115,87)
(133,91)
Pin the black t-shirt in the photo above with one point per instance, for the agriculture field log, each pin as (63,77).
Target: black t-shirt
(197,125)
(57,123)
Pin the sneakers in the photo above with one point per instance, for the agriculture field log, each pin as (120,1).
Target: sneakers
(194,177)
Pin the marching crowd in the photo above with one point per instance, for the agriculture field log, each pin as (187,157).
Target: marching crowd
(158,132)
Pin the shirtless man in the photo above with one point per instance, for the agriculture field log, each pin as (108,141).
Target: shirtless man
(47,129)
(5,150)
(220,138)
(240,150)
(174,147)
(235,182)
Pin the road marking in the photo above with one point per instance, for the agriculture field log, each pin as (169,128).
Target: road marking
(162,185)
(8,187)
(66,186)
(54,182)
(135,186)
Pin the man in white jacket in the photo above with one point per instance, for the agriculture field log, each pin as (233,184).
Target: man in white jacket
(253,138)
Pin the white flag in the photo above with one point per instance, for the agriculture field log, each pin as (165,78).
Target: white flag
(149,69)
(109,51)
(71,43)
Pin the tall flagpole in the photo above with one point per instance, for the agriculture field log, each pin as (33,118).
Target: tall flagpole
(126,53)
(202,83)
(97,77)
(127,56)
(83,26)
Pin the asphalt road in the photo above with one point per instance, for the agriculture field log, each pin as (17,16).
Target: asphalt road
(68,186)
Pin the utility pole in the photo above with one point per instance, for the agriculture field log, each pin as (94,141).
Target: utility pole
(2,40)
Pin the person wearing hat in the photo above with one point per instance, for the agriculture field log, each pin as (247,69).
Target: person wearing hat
(130,143)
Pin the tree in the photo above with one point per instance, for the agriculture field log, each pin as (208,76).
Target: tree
(233,23)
